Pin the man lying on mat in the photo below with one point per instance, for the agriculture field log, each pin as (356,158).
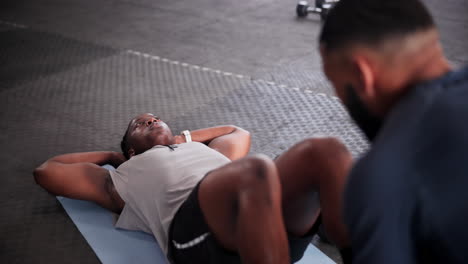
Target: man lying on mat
(200,206)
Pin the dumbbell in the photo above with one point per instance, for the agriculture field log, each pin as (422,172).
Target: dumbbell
(322,7)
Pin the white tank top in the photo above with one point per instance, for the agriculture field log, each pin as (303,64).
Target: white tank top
(155,183)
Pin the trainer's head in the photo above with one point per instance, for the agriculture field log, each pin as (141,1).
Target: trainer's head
(144,132)
(373,51)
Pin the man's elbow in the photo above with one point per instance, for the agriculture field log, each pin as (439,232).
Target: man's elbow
(241,131)
(246,134)
(40,174)
(247,137)
(42,178)
(244,138)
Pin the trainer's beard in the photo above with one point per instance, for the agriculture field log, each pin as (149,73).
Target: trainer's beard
(369,123)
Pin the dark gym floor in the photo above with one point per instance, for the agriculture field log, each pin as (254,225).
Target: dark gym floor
(58,56)
(259,38)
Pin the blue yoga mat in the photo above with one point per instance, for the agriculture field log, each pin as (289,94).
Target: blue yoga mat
(117,246)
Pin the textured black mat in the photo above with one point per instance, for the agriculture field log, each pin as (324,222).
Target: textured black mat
(276,117)
(27,55)
(60,95)
(33,227)
(4,27)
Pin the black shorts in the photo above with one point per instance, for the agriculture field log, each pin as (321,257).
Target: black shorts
(191,241)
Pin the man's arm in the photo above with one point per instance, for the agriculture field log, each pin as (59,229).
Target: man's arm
(231,141)
(79,176)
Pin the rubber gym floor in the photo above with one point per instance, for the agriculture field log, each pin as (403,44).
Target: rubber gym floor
(74,71)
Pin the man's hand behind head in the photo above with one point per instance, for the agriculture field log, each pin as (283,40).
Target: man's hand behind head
(117,159)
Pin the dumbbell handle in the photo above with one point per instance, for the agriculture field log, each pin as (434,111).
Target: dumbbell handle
(326,4)
(303,7)
(311,9)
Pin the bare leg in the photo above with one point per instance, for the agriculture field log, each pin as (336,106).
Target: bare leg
(241,203)
(315,165)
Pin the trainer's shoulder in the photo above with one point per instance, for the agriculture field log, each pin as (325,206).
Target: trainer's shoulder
(445,94)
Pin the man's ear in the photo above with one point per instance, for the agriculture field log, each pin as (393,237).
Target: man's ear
(366,76)
(131,152)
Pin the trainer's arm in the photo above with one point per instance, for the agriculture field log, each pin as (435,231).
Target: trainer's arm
(79,176)
(231,141)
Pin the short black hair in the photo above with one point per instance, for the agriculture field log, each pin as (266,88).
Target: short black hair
(372,21)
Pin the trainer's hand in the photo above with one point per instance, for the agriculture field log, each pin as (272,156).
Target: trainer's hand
(117,158)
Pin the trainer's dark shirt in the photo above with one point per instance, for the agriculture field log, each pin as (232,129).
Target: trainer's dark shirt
(407,199)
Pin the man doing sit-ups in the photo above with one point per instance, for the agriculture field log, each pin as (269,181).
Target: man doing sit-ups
(200,206)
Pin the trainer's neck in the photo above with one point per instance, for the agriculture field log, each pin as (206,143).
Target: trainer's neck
(432,66)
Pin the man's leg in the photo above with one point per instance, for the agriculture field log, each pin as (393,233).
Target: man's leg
(315,165)
(241,203)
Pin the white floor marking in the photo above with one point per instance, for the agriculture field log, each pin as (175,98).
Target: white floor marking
(196,67)
(240,76)
(12,24)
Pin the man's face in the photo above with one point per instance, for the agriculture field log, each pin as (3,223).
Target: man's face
(146,131)
(344,79)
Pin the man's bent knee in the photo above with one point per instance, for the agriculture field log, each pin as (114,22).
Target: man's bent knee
(258,168)
(259,177)
(322,144)
(322,148)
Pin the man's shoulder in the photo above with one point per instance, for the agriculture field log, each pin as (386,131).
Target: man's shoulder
(434,99)
(426,132)
(432,113)
(423,97)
